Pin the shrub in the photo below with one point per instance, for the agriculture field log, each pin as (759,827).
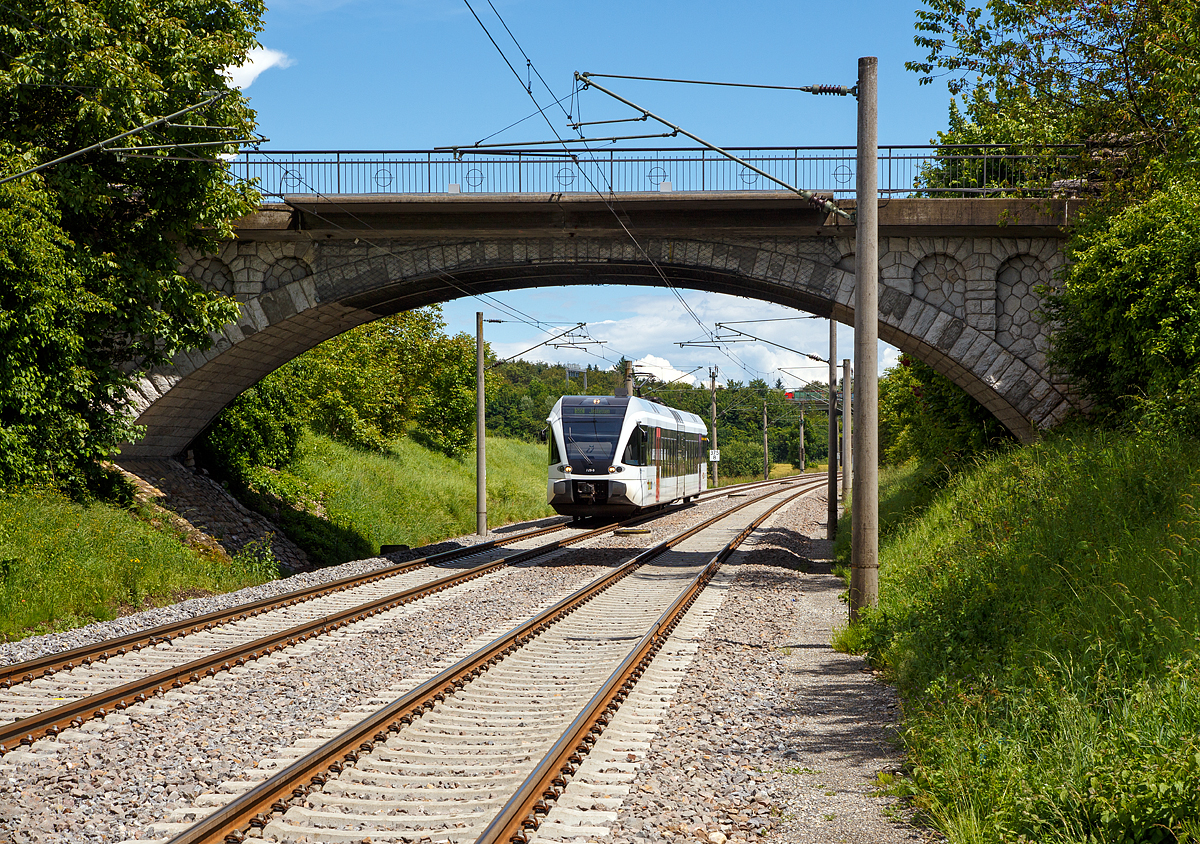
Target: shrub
(1128,307)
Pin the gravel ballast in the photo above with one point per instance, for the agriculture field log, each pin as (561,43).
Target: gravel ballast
(771,736)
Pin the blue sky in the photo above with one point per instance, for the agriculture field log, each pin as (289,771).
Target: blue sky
(403,74)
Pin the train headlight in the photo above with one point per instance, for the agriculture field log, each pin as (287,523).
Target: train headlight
(612,470)
(565,469)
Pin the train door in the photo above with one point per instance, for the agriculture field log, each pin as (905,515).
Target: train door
(657,464)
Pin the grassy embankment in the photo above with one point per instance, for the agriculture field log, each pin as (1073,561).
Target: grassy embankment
(64,564)
(1039,615)
(778,470)
(410,496)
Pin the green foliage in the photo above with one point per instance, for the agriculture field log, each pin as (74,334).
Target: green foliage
(89,293)
(1128,307)
(396,376)
(261,428)
(64,564)
(924,415)
(1038,614)
(408,495)
(740,458)
(1057,70)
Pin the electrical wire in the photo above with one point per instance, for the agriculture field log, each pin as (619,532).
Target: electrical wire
(610,203)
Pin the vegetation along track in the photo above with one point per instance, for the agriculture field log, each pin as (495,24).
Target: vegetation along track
(482,750)
(44,696)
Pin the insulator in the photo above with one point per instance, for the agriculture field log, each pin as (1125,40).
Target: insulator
(834,90)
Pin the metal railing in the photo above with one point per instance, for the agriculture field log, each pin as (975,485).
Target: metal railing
(975,170)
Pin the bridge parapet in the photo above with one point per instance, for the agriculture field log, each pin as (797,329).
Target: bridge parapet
(904,170)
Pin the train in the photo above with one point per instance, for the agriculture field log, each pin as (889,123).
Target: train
(616,455)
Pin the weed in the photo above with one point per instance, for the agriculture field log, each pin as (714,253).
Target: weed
(1037,613)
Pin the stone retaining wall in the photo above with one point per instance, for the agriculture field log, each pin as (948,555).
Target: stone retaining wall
(206,513)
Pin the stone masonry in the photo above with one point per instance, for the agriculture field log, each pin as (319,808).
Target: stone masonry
(964,301)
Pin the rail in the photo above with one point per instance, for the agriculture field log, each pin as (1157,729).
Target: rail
(904,170)
(253,807)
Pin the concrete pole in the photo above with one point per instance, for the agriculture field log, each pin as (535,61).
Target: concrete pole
(864,553)
(766,450)
(629,378)
(481,525)
(847,461)
(712,380)
(832,490)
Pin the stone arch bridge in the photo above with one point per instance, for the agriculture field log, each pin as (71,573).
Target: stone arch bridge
(958,279)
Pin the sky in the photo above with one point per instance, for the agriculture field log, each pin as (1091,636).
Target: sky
(416,74)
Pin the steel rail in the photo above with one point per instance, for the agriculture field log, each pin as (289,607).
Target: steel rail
(74,713)
(48,665)
(297,779)
(50,722)
(524,810)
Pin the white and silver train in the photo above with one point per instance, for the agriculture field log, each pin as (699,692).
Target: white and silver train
(615,455)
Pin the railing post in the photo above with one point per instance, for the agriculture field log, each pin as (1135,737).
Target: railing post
(338,172)
(520,167)
(429,172)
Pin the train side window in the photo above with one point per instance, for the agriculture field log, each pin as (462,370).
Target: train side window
(555,456)
(635,449)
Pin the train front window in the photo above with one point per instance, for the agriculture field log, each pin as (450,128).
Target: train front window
(591,434)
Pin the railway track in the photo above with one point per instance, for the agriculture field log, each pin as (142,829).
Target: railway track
(502,740)
(45,696)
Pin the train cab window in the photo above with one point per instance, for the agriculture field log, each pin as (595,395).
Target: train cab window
(555,455)
(636,449)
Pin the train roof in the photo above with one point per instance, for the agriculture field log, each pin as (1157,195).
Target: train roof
(643,409)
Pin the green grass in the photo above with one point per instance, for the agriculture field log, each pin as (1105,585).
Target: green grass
(778,470)
(408,496)
(64,564)
(1038,613)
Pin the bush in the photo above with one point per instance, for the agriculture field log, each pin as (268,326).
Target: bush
(924,415)
(1128,308)
(261,427)
(740,459)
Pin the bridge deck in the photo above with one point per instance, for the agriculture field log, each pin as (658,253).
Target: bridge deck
(650,213)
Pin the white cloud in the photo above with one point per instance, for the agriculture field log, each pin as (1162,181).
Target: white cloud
(259,59)
(661,369)
(889,356)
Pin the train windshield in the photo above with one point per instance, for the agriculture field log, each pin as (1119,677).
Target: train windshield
(591,433)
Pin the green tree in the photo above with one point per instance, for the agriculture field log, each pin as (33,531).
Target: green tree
(1121,77)
(1123,72)
(923,414)
(100,276)
(1128,310)
(396,376)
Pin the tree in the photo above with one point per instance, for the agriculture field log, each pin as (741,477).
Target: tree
(1121,71)
(925,415)
(1119,76)
(111,226)
(1128,310)
(400,375)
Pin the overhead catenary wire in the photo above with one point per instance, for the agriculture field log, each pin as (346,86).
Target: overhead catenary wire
(834,90)
(609,202)
(823,204)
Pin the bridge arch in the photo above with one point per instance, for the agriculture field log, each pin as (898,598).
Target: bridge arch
(963,304)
